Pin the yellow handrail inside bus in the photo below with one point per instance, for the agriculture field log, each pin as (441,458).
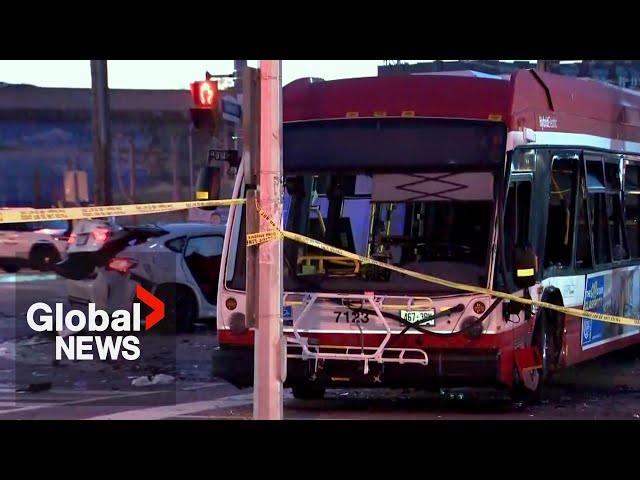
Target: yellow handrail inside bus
(386,306)
(387,224)
(316,209)
(321,259)
(372,225)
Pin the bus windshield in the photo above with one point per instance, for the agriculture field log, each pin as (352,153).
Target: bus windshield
(438,224)
(416,193)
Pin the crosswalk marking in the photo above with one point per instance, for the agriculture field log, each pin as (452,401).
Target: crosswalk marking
(60,392)
(170,411)
(216,417)
(76,401)
(115,393)
(202,385)
(12,401)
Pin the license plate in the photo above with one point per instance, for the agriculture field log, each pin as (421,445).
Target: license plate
(414,316)
(82,239)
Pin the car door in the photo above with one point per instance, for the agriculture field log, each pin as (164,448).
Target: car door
(10,239)
(202,258)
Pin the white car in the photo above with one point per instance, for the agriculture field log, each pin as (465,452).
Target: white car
(88,236)
(37,245)
(178,263)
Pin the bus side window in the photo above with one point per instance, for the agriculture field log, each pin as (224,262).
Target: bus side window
(632,208)
(597,200)
(560,214)
(615,215)
(584,258)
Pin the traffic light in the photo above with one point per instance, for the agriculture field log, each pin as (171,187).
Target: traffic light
(204,93)
(206,111)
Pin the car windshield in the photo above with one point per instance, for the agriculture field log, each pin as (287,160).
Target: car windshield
(47,225)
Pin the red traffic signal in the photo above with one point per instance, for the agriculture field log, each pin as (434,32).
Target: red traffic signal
(204,93)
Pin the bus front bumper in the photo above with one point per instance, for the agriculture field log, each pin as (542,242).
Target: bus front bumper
(446,369)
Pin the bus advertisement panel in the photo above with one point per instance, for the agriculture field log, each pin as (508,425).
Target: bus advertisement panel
(615,292)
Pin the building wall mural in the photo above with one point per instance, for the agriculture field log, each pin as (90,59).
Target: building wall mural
(35,154)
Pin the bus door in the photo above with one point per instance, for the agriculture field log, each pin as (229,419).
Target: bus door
(517,226)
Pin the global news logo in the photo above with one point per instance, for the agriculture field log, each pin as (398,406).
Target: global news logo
(126,344)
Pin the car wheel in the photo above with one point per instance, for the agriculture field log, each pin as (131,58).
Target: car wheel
(43,258)
(11,268)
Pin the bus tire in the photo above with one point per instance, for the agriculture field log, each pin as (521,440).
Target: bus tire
(307,392)
(545,337)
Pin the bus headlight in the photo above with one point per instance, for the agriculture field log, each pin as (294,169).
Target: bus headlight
(231,304)
(238,324)
(471,327)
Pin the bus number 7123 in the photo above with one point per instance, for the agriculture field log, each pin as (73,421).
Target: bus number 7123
(349,316)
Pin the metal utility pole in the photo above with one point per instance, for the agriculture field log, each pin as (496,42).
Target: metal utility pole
(251,161)
(190,144)
(239,66)
(101,133)
(269,352)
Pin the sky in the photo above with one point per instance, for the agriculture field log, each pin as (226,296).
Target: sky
(169,74)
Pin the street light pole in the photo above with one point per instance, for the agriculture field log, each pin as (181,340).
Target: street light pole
(239,67)
(101,133)
(190,144)
(269,354)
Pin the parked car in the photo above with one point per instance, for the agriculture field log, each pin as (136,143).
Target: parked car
(179,263)
(37,245)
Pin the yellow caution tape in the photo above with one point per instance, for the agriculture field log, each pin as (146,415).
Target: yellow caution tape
(266,217)
(446,283)
(262,237)
(21,215)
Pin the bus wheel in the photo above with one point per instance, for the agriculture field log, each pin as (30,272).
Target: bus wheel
(307,392)
(545,338)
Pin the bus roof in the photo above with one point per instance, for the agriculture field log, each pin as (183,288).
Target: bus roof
(555,107)
(424,95)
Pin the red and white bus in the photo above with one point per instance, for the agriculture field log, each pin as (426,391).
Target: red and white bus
(456,177)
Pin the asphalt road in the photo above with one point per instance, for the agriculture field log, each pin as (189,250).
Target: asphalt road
(33,386)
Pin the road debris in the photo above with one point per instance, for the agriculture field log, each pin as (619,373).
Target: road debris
(159,379)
